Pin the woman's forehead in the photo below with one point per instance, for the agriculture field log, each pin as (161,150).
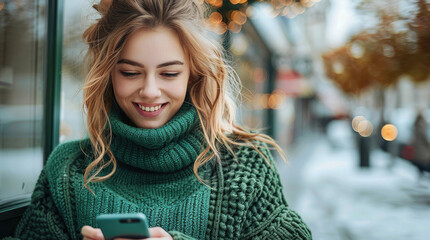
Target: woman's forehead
(153,46)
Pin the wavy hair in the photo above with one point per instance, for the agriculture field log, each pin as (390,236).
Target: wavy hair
(213,85)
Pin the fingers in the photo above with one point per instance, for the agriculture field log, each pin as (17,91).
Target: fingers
(91,233)
(157,233)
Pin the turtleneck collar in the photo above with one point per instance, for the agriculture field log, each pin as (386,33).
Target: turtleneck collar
(169,148)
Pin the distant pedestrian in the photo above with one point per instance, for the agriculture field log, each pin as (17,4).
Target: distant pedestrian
(421,145)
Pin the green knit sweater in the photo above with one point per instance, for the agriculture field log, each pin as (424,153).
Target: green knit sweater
(155,176)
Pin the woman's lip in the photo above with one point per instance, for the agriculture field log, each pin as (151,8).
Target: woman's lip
(149,114)
(149,104)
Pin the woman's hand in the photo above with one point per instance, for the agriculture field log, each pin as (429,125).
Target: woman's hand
(157,233)
(91,233)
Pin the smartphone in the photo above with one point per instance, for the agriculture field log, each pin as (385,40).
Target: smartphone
(123,225)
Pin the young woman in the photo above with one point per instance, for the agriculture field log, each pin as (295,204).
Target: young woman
(162,139)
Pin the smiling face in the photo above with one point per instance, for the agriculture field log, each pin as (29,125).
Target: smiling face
(151,76)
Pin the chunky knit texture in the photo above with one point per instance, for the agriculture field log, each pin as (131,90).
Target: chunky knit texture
(155,176)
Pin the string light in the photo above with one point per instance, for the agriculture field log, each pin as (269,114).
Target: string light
(234,27)
(215,18)
(239,17)
(285,8)
(215,3)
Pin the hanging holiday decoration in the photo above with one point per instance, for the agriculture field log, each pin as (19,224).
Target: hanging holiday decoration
(232,14)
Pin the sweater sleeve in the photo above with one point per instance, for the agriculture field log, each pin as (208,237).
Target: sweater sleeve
(41,220)
(269,216)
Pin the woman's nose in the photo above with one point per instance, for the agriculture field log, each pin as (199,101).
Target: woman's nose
(149,88)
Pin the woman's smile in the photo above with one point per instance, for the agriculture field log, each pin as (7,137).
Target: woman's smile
(149,110)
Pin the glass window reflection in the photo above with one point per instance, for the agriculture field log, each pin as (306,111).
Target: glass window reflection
(22,46)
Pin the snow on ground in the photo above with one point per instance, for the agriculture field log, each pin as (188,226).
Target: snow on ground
(338,200)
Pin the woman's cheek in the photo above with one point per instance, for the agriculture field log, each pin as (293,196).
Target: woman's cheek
(124,88)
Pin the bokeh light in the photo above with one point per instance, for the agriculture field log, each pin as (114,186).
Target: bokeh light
(338,67)
(269,101)
(239,45)
(234,27)
(307,3)
(276,99)
(297,8)
(250,11)
(215,18)
(356,121)
(285,11)
(264,100)
(280,93)
(365,128)
(356,50)
(215,3)
(220,28)
(288,2)
(274,13)
(273,102)
(238,17)
(388,50)
(389,132)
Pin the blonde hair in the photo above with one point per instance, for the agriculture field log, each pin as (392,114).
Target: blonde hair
(212,85)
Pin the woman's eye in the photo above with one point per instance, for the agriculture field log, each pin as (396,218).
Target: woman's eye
(170,75)
(129,74)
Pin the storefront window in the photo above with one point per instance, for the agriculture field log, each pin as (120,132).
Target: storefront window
(22,49)
(77,16)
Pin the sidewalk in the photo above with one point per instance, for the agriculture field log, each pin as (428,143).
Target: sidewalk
(339,201)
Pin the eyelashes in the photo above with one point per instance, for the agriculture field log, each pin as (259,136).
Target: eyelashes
(129,74)
(170,74)
(134,74)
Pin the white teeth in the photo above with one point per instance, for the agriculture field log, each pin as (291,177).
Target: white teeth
(149,109)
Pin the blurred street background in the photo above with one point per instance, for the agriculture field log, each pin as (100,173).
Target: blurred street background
(342,85)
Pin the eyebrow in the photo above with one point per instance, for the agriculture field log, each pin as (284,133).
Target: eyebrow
(130,62)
